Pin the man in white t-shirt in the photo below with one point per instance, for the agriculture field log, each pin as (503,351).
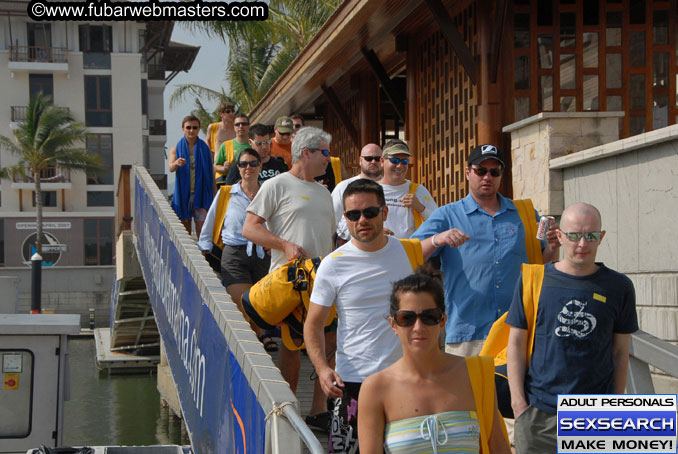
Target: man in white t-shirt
(299,222)
(370,168)
(357,278)
(409,203)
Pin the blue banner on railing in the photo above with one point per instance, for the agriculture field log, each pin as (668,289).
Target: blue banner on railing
(220,409)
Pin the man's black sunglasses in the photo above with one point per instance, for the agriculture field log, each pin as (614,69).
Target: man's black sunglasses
(482,171)
(371,158)
(369,213)
(428,317)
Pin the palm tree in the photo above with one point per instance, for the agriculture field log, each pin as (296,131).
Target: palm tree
(201,94)
(260,51)
(48,138)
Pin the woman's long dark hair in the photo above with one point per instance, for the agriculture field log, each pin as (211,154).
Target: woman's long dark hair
(425,279)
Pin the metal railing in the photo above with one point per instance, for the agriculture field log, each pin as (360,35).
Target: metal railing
(46,54)
(19,113)
(647,350)
(286,429)
(48,175)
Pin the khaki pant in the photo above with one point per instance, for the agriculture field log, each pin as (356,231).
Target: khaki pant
(469,348)
(536,432)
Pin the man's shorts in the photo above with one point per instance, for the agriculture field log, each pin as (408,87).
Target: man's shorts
(344,431)
(239,268)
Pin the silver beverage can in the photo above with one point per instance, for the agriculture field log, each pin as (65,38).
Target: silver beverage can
(545,223)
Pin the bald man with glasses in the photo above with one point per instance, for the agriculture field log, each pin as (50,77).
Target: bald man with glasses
(585,315)
(480,240)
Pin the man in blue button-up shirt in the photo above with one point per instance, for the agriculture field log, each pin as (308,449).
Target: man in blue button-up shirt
(485,241)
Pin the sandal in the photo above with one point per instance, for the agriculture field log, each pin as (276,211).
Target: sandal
(321,421)
(269,344)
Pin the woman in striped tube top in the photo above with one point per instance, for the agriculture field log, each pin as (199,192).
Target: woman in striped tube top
(428,401)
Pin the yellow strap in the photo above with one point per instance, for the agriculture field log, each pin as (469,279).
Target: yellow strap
(533,277)
(418,220)
(414,252)
(481,373)
(532,244)
(229,155)
(213,137)
(222,205)
(336,169)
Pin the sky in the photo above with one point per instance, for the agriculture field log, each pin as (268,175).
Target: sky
(208,70)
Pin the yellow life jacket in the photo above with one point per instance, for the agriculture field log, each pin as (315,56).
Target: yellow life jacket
(481,373)
(213,137)
(282,297)
(336,169)
(418,219)
(496,343)
(532,244)
(222,206)
(229,152)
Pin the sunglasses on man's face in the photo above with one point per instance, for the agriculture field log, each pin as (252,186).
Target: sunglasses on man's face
(228,111)
(285,133)
(428,317)
(371,158)
(241,123)
(263,142)
(482,171)
(324,151)
(244,164)
(297,125)
(396,161)
(369,213)
(589,237)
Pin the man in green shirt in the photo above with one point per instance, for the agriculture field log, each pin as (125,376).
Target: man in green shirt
(230,150)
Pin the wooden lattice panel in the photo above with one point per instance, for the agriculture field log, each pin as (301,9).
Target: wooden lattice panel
(447,113)
(342,145)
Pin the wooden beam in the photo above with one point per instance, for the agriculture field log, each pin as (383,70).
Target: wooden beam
(338,109)
(453,37)
(380,73)
(502,6)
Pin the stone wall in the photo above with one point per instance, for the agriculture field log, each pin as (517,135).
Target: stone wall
(69,290)
(634,184)
(545,136)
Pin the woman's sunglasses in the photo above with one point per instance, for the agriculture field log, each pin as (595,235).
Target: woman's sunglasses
(244,164)
(369,213)
(428,317)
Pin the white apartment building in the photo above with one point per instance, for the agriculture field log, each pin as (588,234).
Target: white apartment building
(111,76)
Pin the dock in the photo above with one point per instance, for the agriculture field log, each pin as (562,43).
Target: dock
(120,362)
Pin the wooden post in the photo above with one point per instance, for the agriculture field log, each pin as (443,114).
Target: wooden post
(489,126)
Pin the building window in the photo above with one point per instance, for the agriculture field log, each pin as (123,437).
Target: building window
(144,97)
(41,83)
(96,45)
(49,198)
(98,242)
(98,105)
(102,145)
(39,41)
(100,198)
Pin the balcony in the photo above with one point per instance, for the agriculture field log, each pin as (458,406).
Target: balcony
(18,113)
(157,127)
(50,179)
(38,58)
